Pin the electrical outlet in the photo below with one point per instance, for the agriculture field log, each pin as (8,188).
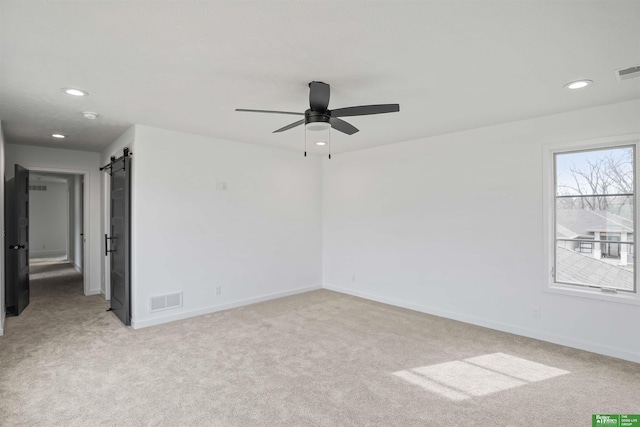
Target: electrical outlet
(218,290)
(536,312)
(353,278)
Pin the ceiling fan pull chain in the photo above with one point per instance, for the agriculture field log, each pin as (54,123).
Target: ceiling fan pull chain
(305,143)
(329,140)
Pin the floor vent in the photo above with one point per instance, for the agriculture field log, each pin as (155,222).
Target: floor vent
(628,73)
(165,302)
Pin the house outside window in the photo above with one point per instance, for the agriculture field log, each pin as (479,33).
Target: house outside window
(590,219)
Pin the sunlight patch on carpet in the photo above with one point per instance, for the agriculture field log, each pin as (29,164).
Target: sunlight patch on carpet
(431,386)
(478,376)
(516,367)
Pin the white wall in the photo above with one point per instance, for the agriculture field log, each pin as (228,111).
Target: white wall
(48,219)
(2,229)
(452,225)
(70,161)
(258,239)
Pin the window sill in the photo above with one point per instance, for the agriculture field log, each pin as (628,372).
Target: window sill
(597,294)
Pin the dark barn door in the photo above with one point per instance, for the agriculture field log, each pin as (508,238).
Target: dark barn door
(17,254)
(119,247)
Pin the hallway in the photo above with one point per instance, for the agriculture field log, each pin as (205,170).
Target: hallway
(46,343)
(58,304)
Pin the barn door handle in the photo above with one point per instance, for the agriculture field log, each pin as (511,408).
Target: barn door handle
(16,247)
(106,245)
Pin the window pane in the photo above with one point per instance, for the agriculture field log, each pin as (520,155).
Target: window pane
(594,218)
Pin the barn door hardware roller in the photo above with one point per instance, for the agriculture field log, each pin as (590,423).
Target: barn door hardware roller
(125,154)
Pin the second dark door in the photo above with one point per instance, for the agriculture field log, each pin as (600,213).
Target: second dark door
(17,255)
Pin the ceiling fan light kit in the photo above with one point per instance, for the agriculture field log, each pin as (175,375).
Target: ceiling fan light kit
(319,118)
(318,134)
(317,126)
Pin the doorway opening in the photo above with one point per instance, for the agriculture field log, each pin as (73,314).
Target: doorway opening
(56,232)
(58,206)
(56,218)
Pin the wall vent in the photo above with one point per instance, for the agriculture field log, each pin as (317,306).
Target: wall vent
(628,73)
(37,188)
(165,302)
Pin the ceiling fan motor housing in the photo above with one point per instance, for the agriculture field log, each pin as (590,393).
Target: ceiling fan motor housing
(316,117)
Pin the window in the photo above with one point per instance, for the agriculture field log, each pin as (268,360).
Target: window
(591,218)
(585,247)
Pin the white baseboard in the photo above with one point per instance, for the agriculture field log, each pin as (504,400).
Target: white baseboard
(93,292)
(77,267)
(503,327)
(47,254)
(137,324)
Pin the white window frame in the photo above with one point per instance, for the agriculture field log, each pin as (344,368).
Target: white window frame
(548,205)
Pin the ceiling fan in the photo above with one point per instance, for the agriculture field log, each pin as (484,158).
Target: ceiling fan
(319,116)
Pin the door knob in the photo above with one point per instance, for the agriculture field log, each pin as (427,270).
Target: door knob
(16,247)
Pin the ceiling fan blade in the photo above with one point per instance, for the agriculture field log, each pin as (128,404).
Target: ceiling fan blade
(365,110)
(291,126)
(319,96)
(342,126)
(268,111)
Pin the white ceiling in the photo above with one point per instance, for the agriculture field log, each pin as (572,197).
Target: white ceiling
(186,66)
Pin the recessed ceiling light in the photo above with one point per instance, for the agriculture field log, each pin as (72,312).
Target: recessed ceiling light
(578,84)
(58,135)
(321,143)
(90,115)
(74,91)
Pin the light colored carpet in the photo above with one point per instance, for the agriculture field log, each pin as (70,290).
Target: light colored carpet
(315,359)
